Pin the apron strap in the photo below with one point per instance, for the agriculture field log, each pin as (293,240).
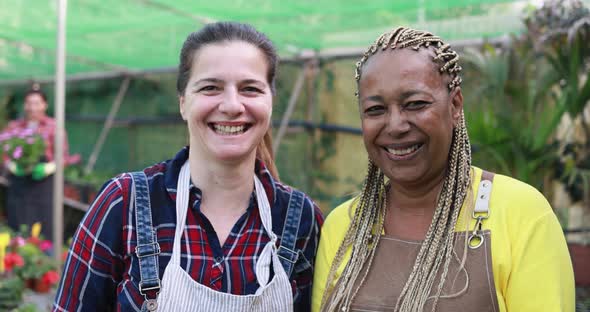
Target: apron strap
(483,193)
(481,211)
(147,249)
(286,252)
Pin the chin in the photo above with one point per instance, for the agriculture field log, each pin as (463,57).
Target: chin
(234,155)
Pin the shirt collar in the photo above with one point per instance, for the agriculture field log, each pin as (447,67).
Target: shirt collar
(173,171)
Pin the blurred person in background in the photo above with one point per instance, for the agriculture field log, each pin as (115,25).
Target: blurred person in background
(429,231)
(29,197)
(212,229)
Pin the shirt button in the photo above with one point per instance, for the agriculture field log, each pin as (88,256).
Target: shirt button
(218,259)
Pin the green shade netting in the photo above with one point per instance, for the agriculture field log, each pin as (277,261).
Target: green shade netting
(115,35)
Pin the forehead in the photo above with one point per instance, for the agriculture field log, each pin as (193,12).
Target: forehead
(34,97)
(229,58)
(400,68)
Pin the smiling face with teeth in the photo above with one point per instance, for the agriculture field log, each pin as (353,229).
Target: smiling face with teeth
(408,115)
(227,102)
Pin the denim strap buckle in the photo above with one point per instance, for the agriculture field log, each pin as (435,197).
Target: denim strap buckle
(147,250)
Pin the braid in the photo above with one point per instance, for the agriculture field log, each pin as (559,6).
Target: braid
(366,226)
(402,37)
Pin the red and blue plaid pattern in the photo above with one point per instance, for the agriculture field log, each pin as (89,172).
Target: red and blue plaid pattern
(102,271)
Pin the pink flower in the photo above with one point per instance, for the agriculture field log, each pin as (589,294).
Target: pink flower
(18,241)
(45,245)
(18,152)
(6,147)
(27,132)
(30,140)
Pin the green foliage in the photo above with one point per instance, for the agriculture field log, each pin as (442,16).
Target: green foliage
(562,31)
(11,293)
(523,90)
(514,117)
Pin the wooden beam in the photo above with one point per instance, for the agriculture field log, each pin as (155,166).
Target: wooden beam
(290,108)
(108,124)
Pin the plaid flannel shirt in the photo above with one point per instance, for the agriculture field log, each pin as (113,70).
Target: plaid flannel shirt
(102,274)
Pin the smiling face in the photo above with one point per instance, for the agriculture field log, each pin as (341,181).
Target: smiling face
(408,115)
(228,101)
(35,107)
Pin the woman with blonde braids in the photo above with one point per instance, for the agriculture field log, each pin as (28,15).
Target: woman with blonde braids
(428,231)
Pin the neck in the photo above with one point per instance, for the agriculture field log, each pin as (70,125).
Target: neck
(417,198)
(226,186)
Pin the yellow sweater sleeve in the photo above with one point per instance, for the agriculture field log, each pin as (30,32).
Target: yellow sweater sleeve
(541,276)
(333,232)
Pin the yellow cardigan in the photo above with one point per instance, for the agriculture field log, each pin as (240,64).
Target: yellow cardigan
(531,263)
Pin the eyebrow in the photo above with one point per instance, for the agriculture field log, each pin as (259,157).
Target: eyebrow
(215,80)
(409,93)
(374,98)
(248,81)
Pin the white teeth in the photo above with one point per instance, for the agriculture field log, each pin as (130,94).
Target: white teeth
(229,129)
(403,151)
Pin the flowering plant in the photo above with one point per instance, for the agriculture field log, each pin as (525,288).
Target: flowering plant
(22,147)
(29,259)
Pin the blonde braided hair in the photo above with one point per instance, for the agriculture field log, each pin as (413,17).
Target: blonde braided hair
(366,226)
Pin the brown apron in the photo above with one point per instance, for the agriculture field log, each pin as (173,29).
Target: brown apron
(394,259)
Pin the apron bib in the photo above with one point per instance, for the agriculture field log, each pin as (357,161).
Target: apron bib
(394,259)
(179,292)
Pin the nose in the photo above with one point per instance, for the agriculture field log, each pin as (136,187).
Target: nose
(398,123)
(231,104)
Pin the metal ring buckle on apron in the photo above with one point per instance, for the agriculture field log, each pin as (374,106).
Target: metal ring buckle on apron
(481,212)
(475,239)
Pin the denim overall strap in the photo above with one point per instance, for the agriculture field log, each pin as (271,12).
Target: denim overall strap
(147,249)
(286,252)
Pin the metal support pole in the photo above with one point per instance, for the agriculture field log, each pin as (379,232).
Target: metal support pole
(108,124)
(290,108)
(60,92)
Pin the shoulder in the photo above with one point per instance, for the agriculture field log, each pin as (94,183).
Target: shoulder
(14,124)
(48,121)
(522,198)
(338,220)
(118,190)
(311,215)
(515,206)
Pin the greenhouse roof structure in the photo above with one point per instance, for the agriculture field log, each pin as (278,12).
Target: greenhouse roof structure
(134,36)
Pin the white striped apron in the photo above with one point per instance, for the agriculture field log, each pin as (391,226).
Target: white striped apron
(181,293)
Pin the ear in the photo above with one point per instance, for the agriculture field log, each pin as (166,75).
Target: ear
(181,104)
(456,105)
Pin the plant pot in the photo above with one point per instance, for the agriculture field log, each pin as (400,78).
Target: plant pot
(41,286)
(580,259)
(72,191)
(30,283)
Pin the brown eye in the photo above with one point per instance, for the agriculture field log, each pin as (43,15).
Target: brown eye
(374,110)
(416,105)
(252,89)
(208,88)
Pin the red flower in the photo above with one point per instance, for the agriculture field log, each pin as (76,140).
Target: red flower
(50,277)
(13,260)
(34,240)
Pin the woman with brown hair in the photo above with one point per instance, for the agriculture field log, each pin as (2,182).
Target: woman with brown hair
(213,229)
